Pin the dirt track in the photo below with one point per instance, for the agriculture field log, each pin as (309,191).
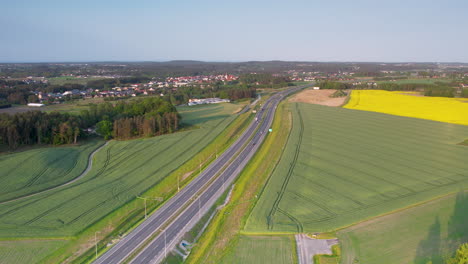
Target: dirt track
(321,97)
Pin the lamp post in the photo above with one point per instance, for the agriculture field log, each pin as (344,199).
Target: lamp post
(165,243)
(146,198)
(95,241)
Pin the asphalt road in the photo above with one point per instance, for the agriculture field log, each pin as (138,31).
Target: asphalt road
(308,247)
(182,211)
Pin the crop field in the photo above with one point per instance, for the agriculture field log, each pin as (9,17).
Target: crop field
(422,81)
(342,166)
(27,251)
(197,114)
(121,170)
(262,249)
(451,110)
(39,169)
(423,234)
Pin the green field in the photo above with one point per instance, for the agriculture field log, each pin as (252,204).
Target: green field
(428,232)
(27,251)
(194,115)
(343,166)
(262,249)
(39,169)
(121,170)
(421,81)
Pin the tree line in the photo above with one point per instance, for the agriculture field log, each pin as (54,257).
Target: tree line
(124,120)
(438,89)
(232,92)
(265,80)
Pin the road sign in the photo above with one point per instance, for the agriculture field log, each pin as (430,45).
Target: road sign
(270,130)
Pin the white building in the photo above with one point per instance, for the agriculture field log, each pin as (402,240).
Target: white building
(35,105)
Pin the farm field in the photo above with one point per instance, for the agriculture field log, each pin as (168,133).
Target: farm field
(194,115)
(321,97)
(27,251)
(422,81)
(342,166)
(38,169)
(72,107)
(121,170)
(428,232)
(262,249)
(450,110)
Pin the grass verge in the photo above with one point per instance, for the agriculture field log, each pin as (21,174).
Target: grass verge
(223,233)
(334,258)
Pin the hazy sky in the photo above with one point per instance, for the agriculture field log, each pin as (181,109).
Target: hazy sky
(237,30)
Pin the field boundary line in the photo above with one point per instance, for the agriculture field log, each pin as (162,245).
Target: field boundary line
(290,171)
(84,173)
(400,209)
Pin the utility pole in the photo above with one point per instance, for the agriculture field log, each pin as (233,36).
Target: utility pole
(95,241)
(199,208)
(224,183)
(165,243)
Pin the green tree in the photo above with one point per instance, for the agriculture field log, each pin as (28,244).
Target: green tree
(104,128)
(461,256)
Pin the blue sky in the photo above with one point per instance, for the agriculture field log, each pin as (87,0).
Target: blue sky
(309,30)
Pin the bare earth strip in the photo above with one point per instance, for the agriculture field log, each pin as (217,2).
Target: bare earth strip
(321,97)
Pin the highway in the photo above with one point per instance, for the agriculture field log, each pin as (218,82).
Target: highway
(180,213)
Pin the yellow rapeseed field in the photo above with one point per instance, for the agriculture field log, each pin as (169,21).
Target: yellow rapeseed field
(411,104)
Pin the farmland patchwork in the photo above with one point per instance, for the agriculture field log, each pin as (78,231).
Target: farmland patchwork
(341,166)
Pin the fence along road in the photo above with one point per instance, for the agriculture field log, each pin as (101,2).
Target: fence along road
(183,210)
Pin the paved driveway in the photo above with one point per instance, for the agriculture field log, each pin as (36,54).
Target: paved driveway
(308,247)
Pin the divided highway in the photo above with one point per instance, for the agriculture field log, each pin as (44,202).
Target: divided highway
(179,214)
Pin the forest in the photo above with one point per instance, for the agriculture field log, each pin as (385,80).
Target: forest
(123,120)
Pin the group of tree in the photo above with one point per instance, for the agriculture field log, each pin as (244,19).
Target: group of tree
(182,95)
(461,255)
(264,80)
(335,85)
(146,126)
(130,119)
(123,120)
(36,127)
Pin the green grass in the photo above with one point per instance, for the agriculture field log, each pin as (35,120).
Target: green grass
(27,251)
(421,81)
(334,258)
(262,249)
(343,166)
(197,114)
(428,232)
(35,170)
(121,170)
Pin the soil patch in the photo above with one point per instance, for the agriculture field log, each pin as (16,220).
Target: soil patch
(321,97)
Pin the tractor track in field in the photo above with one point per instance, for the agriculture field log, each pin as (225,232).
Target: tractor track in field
(289,174)
(88,168)
(119,193)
